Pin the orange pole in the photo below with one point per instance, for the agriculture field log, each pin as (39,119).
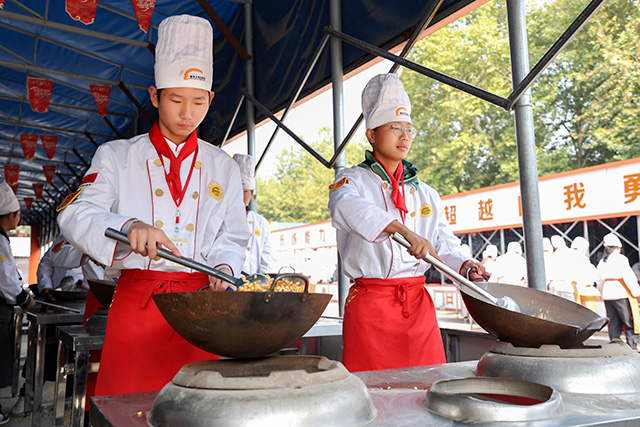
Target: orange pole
(34,256)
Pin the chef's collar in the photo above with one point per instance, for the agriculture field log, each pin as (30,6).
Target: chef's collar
(4,233)
(409,175)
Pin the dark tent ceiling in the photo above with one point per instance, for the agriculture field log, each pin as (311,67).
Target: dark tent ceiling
(41,40)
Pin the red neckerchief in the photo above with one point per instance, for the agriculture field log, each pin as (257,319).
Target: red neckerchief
(396,195)
(173,177)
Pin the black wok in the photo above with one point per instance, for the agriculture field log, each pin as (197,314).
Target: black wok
(544,318)
(241,324)
(103,290)
(60,295)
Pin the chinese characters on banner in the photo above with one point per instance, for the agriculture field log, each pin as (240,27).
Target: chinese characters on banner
(28,201)
(49,171)
(101,96)
(574,194)
(11,174)
(450,213)
(39,94)
(37,190)
(485,210)
(144,10)
(631,187)
(29,141)
(82,10)
(49,142)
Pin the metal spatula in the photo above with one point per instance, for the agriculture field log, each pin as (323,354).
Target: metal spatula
(504,302)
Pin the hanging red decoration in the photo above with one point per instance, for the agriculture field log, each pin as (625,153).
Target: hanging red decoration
(39,94)
(144,10)
(11,174)
(28,201)
(82,10)
(49,142)
(37,190)
(101,96)
(29,141)
(49,171)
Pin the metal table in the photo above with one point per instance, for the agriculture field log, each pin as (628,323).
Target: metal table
(34,378)
(18,316)
(74,339)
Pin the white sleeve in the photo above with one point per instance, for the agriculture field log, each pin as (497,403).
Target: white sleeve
(84,221)
(267,263)
(629,277)
(45,272)
(352,213)
(446,244)
(10,280)
(68,257)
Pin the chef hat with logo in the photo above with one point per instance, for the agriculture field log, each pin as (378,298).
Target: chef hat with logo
(612,240)
(8,200)
(247,167)
(384,100)
(184,53)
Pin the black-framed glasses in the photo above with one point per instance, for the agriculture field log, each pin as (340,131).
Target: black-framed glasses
(399,130)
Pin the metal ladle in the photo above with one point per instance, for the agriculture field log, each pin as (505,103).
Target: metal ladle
(163,253)
(503,302)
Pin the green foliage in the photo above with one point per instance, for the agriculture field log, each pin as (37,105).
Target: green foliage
(299,192)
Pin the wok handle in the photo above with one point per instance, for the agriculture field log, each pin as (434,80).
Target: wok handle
(163,253)
(448,271)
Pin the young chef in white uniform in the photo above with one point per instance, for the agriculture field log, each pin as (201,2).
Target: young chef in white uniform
(11,290)
(389,319)
(620,292)
(50,276)
(259,253)
(165,188)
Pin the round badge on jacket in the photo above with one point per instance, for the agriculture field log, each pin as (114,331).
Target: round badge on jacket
(215,190)
(426,210)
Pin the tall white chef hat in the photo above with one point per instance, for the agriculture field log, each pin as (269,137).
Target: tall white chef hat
(384,100)
(558,242)
(490,252)
(581,245)
(247,167)
(8,200)
(184,53)
(612,240)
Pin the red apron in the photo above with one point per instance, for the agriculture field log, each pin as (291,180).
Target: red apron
(141,352)
(390,323)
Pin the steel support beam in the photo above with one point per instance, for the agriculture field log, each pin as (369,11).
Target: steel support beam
(249,76)
(56,107)
(133,99)
(246,55)
(526,146)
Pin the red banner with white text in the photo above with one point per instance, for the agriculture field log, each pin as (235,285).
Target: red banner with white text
(49,142)
(37,190)
(28,201)
(11,174)
(82,10)
(101,96)
(144,10)
(29,141)
(39,94)
(49,171)
(1,4)
(14,187)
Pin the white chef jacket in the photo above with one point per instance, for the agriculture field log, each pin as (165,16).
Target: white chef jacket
(616,267)
(259,252)
(361,208)
(50,276)
(10,279)
(130,184)
(70,257)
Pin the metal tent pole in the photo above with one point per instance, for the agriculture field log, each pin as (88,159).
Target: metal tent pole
(525,141)
(249,78)
(335,16)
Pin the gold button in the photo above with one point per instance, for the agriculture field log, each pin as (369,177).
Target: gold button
(159,192)
(158,162)
(413,190)
(159,224)
(190,227)
(248,249)
(250,222)
(413,214)
(417,264)
(195,195)
(197,165)
(385,185)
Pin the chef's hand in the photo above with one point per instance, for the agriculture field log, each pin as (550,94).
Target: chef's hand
(419,245)
(47,295)
(144,239)
(220,285)
(474,270)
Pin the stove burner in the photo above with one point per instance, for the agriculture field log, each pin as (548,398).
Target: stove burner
(282,390)
(589,369)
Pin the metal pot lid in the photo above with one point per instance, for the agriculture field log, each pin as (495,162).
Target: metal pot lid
(492,400)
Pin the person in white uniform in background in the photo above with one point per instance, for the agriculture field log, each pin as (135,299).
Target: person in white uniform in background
(50,276)
(636,269)
(389,319)
(547,249)
(489,256)
(165,189)
(11,291)
(561,277)
(511,268)
(584,275)
(69,257)
(620,290)
(259,252)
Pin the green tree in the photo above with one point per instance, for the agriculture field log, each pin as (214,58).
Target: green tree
(298,192)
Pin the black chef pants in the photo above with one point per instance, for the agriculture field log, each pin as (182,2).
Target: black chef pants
(619,313)
(6,343)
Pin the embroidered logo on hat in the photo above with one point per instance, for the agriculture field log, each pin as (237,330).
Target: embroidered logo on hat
(188,75)
(402,112)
